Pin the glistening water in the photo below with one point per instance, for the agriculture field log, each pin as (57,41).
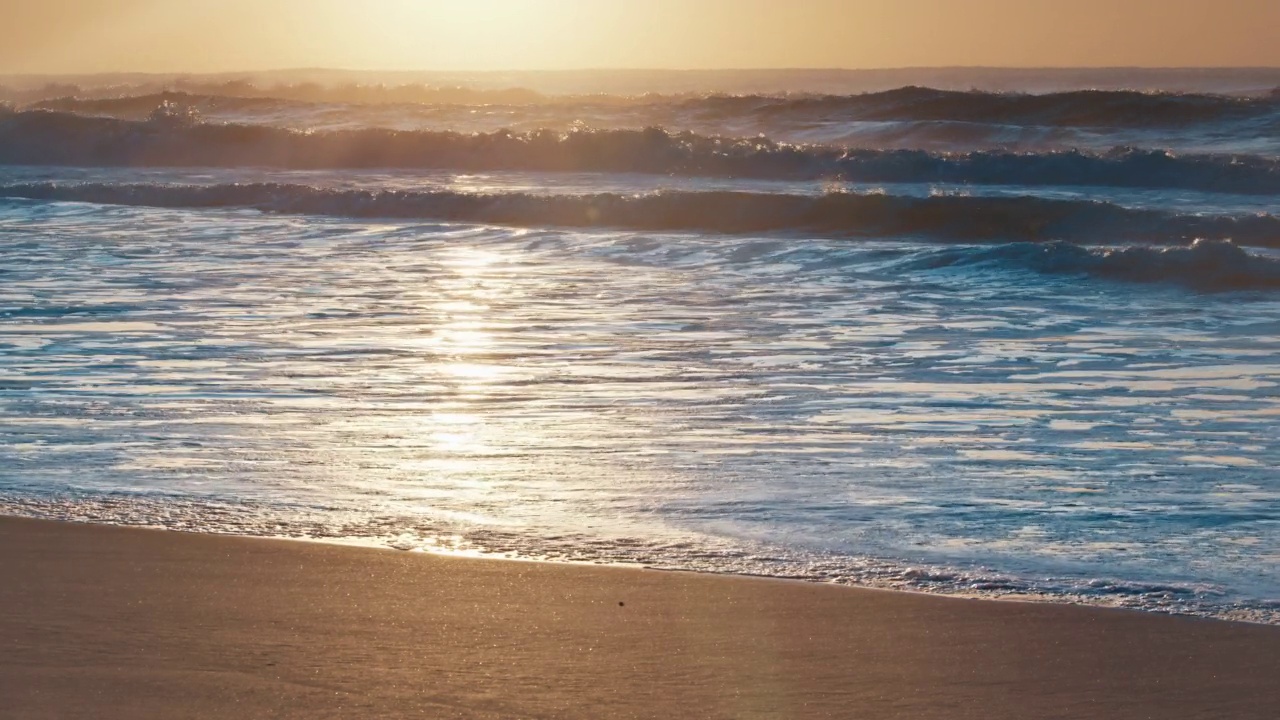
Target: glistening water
(817,409)
(920,385)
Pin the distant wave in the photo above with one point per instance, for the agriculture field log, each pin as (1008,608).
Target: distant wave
(140,106)
(231,93)
(1207,265)
(1080,108)
(50,138)
(954,218)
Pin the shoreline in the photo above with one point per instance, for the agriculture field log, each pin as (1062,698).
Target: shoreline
(1250,616)
(109,621)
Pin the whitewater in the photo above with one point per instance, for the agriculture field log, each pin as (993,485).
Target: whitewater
(1015,342)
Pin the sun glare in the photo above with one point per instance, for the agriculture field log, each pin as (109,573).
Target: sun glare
(492,34)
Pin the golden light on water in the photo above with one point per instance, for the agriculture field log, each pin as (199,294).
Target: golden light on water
(463,339)
(451,447)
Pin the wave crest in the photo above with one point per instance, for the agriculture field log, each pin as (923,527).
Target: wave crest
(49,138)
(1206,265)
(953,218)
(1076,108)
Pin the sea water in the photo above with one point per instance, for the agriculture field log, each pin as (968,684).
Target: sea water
(1004,360)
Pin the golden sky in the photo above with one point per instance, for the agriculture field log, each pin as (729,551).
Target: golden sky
(231,35)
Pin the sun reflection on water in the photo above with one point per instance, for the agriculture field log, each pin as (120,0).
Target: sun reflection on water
(580,391)
(454,448)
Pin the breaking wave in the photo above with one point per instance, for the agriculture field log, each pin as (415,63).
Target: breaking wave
(51,138)
(946,217)
(1206,265)
(140,106)
(1078,108)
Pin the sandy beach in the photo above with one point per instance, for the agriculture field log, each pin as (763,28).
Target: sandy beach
(106,622)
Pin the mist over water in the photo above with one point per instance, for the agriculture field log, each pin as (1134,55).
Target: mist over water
(1016,342)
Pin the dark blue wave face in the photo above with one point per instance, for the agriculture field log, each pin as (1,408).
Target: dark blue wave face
(1204,265)
(44,138)
(839,215)
(1080,108)
(909,118)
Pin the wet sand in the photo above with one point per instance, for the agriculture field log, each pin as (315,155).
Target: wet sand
(103,622)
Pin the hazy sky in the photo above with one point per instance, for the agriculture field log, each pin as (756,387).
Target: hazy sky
(216,35)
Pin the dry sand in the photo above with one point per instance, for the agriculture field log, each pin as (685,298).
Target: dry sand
(102,622)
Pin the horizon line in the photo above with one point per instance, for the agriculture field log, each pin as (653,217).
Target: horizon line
(492,71)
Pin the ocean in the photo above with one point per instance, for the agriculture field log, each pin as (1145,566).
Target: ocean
(1013,334)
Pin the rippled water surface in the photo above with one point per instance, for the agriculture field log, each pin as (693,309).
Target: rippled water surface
(862,411)
(822,325)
